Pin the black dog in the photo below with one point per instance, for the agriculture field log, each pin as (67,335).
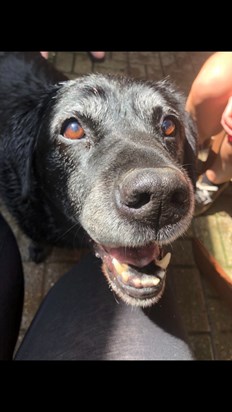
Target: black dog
(100,158)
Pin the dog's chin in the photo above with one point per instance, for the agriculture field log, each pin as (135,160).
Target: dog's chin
(136,275)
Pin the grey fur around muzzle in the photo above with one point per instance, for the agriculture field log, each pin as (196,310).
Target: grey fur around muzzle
(135,173)
(103,159)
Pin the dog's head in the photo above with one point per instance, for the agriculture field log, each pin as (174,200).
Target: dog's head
(117,156)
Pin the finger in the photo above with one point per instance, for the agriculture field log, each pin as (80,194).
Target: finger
(227,127)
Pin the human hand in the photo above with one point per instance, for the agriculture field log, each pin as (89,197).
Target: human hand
(226,120)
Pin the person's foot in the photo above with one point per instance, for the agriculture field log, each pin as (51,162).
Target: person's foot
(44,54)
(206,194)
(97,56)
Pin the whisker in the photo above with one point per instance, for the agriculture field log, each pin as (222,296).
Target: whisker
(67,231)
(82,240)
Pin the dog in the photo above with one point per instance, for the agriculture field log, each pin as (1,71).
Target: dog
(101,160)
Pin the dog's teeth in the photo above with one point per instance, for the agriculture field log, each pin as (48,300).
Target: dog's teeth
(136,282)
(120,267)
(125,276)
(149,281)
(156,281)
(163,263)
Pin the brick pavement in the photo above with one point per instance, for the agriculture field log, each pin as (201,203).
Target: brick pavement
(206,317)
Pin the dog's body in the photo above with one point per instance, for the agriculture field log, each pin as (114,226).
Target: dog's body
(102,158)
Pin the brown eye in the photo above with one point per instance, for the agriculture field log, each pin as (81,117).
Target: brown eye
(72,130)
(168,127)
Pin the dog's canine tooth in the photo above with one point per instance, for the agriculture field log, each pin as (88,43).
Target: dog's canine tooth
(163,263)
(156,281)
(120,267)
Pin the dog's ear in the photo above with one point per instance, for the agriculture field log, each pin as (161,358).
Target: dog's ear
(26,131)
(26,170)
(27,128)
(28,86)
(190,148)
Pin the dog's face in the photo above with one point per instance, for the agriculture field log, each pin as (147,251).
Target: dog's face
(117,156)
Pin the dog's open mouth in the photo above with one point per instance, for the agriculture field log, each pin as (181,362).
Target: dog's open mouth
(137,275)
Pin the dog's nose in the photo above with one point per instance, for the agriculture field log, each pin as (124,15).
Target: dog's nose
(159,196)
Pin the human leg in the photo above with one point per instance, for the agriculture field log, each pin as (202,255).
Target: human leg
(206,102)
(11,291)
(80,319)
(220,171)
(209,94)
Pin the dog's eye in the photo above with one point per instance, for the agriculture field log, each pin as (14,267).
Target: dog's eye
(168,127)
(72,129)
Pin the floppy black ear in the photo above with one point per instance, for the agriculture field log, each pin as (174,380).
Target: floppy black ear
(28,83)
(190,148)
(19,135)
(30,134)
(26,128)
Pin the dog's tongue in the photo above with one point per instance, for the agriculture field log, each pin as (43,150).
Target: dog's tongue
(139,257)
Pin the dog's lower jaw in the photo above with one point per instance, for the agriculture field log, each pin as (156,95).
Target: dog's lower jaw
(136,275)
(130,300)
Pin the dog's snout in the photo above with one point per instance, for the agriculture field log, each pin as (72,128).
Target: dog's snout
(159,195)
(136,189)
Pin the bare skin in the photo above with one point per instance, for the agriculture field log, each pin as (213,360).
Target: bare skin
(98,55)
(44,54)
(210,104)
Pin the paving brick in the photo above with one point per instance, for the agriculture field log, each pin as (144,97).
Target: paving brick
(19,340)
(145,58)
(183,60)
(202,346)
(138,71)
(110,66)
(23,243)
(53,272)
(119,56)
(72,76)
(190,298)
(66,255)
(198,59)
(82,64)
(34,277)
(207,231)
(220,315)
(223,346)
(153,73)
(168,59)
(64,61)
(209,289)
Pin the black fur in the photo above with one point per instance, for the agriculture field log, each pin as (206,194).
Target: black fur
(58,190)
